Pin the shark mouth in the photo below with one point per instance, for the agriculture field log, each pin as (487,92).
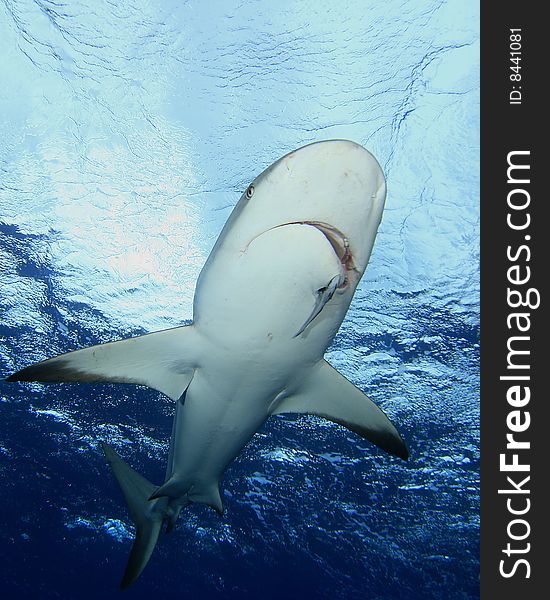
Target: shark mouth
(340,282)
(338,240)
(340,245)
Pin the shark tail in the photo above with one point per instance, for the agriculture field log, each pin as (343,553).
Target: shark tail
(148,515)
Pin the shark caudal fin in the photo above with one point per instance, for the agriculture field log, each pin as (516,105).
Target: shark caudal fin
(328,394)
(162,361)
(148,515)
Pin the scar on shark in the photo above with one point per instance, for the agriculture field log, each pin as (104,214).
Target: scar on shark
(268,303)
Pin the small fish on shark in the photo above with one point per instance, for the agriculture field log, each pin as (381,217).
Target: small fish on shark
(268,302)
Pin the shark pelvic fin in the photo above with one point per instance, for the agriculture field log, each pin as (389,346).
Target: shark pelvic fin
(326,393)
(202,493)
(209,495)
(147,516)
(170,489)
(162,360)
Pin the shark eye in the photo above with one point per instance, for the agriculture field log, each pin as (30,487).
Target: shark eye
(250,191)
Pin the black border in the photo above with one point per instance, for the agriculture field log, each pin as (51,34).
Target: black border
(505,128)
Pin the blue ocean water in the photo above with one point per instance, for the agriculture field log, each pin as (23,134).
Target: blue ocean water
(127,133)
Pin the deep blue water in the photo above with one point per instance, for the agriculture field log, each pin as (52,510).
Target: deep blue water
(127,133)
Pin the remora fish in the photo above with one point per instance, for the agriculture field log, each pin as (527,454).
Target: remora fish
(268,302)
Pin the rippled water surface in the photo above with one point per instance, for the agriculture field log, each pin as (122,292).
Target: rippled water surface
(128,130)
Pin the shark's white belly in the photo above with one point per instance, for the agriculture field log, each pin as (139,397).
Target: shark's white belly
(250,302)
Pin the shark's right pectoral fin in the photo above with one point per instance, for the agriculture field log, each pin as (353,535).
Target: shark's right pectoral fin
(326,393)
(162,360)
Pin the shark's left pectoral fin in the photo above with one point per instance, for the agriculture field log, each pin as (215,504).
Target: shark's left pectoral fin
(162,360)
(326,393)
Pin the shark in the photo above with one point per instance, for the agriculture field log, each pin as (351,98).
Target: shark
(268,303)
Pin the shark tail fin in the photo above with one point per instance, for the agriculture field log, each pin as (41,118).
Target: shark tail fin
(148,516)
(163,360)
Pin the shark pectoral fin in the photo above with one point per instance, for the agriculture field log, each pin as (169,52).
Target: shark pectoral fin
(326,393)
(148,521)
(162,360)
(324,294)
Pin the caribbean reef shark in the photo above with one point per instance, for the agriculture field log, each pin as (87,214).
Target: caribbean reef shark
(268,303)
